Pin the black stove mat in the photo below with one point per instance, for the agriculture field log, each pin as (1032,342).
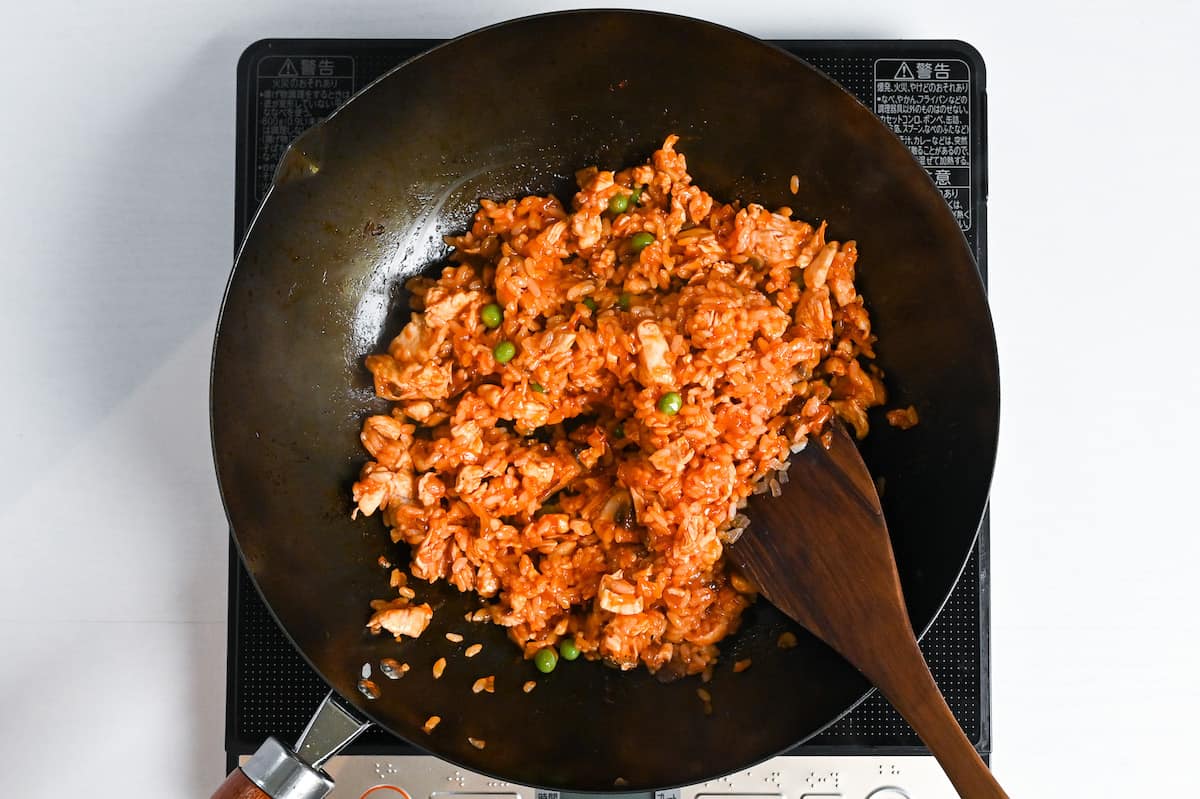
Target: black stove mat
(285,85)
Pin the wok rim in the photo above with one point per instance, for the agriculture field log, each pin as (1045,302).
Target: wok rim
(977,285)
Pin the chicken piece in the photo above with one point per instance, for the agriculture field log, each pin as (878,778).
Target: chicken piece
(816,272)
(672,458)
(815,314)
(852,413)
(696,202)
(442,306)
(841,275)
(431,559)
(627,638)
(470,479)
(486,582)
(672,163)
(419,411)
(409,345)
(618,595)
(430,489)
(388,439)
(855,383)
(409,381)
(654,357)
(537,475)
(810,247)
(378,487)
(720,619)
(587,229)
(551,241)
(399,618)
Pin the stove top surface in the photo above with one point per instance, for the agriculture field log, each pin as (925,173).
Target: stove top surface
(931,93)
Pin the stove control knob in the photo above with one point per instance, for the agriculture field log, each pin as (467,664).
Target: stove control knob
(887,793)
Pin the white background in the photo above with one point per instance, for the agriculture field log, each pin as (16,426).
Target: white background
(116,201)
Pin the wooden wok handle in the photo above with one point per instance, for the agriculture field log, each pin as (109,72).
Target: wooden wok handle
(275,772)
(238,786)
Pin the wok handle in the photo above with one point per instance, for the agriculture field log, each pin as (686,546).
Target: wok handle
(275,772)
(238,786)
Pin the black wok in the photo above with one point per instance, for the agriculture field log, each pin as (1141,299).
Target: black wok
(361,203)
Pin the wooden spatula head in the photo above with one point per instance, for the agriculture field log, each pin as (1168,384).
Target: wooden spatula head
(821,553)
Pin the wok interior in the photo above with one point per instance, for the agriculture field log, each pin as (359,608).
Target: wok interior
(516,109)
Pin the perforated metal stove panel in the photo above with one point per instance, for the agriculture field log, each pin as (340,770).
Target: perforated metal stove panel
(286,85)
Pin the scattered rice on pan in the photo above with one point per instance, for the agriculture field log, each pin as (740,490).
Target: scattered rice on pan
(587,394)
(904,418)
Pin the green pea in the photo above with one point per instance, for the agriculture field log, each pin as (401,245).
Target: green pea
(492,315)
(567,648)
(504,352)
(641,241)
(590,304)
(624,301)
(618,203)
(545,660)
(670,403)
(636,197)
(537,387)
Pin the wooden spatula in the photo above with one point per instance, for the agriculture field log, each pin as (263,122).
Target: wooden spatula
(821,553)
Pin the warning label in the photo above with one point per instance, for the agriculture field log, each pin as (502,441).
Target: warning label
(928,105)
(292,93)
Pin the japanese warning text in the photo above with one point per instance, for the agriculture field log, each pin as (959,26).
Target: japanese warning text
(292,93)
(928,105)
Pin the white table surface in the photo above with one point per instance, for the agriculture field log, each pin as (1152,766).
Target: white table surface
(116,196)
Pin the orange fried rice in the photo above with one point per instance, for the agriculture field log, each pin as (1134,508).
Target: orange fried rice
(655,358)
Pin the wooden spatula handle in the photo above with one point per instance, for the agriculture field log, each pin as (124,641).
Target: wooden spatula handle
(911,689)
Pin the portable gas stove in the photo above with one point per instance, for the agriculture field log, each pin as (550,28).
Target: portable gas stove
(931,93)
